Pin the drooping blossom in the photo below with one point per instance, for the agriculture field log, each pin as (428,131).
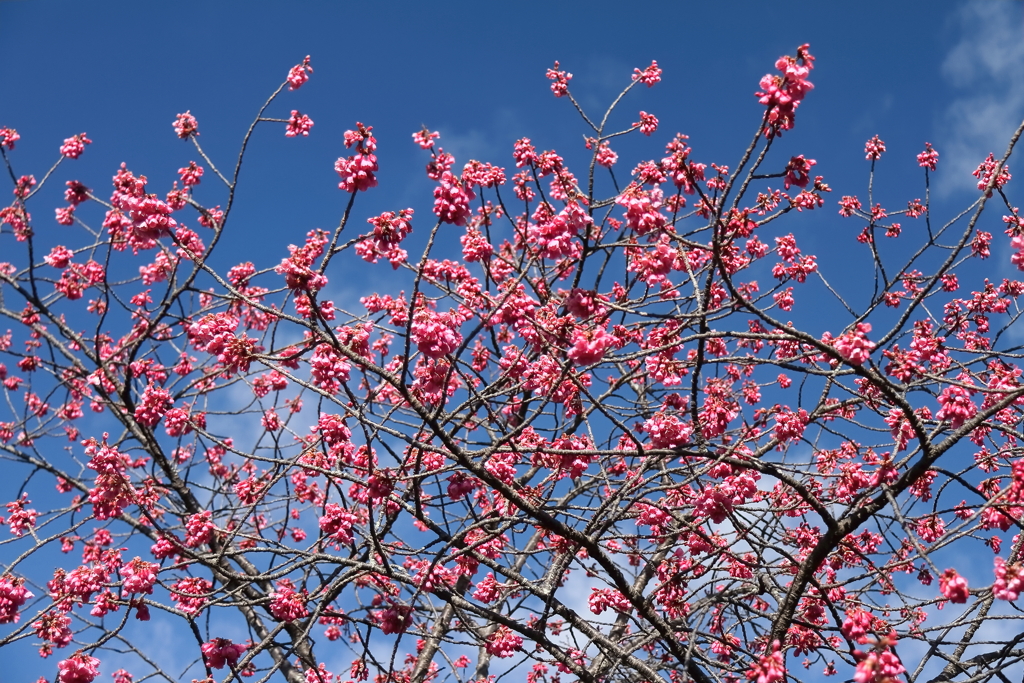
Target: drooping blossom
(299,74)
(74,146)
(186,125)
(649,76)
(928,158)
(221,652)
(298,124)
(953,586)
(78,668)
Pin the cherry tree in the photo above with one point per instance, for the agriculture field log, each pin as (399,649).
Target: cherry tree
(580,438)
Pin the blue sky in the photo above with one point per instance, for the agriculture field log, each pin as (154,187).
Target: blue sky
(949,73)
(910,71)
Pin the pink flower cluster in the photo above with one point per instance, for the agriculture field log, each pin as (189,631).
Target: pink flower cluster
(649,76)
(8,136)
(191,594)
(13,595)
(199,529)
(878,666)
(286,603)
(191,175)
(435,334)
(798,171)
(74,146)
(452,198)
(957,406)
(770,668)
(54,627)
(20,518)
(113,491)
(559,81)
(590,345)
(504,642)
(298,124)
(953,586)
(874,148)
(425,138)
(1009,580)
(149,216)
(668,431)
(783,94)
(603,598)
(854,346)
(647,124)
(299,74)
(790,425)
(358,172)
(394,619)
(139,576)
(928,158)
(154,402)
(221,652)
(329,370)
(389,229)
(986,170)
(78,668)
(337,523)
(297,271)
(186,125)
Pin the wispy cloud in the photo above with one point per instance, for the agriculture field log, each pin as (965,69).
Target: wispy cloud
(986,68)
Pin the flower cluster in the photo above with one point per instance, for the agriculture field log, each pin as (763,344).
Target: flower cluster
(559,81)
(358,172)
(299,74)
(874,148)
(452,198)
(649,76)
(74,146)
(782,94)
(13,595)
(985,172)
(221,652)
(78,668)
(286,603)
(298,124)
(186,125)
(854,346)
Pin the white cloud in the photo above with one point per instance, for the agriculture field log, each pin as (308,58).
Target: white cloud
(986,67)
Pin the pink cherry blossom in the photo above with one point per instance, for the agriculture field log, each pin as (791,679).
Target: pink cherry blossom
(78,668)
(8,136)
(298,124)
(560,81)
(770,668)
(504,642)
(874,148)
(299,74)
(1009,580)
(74,146)
(139,576)
(647,124)
(957,406)
(425,138)
(953,586)
(286,603)
(186,125)
(221,652)
(649,76)
(928,158)
(854,345)
(451,199)
(13,595)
